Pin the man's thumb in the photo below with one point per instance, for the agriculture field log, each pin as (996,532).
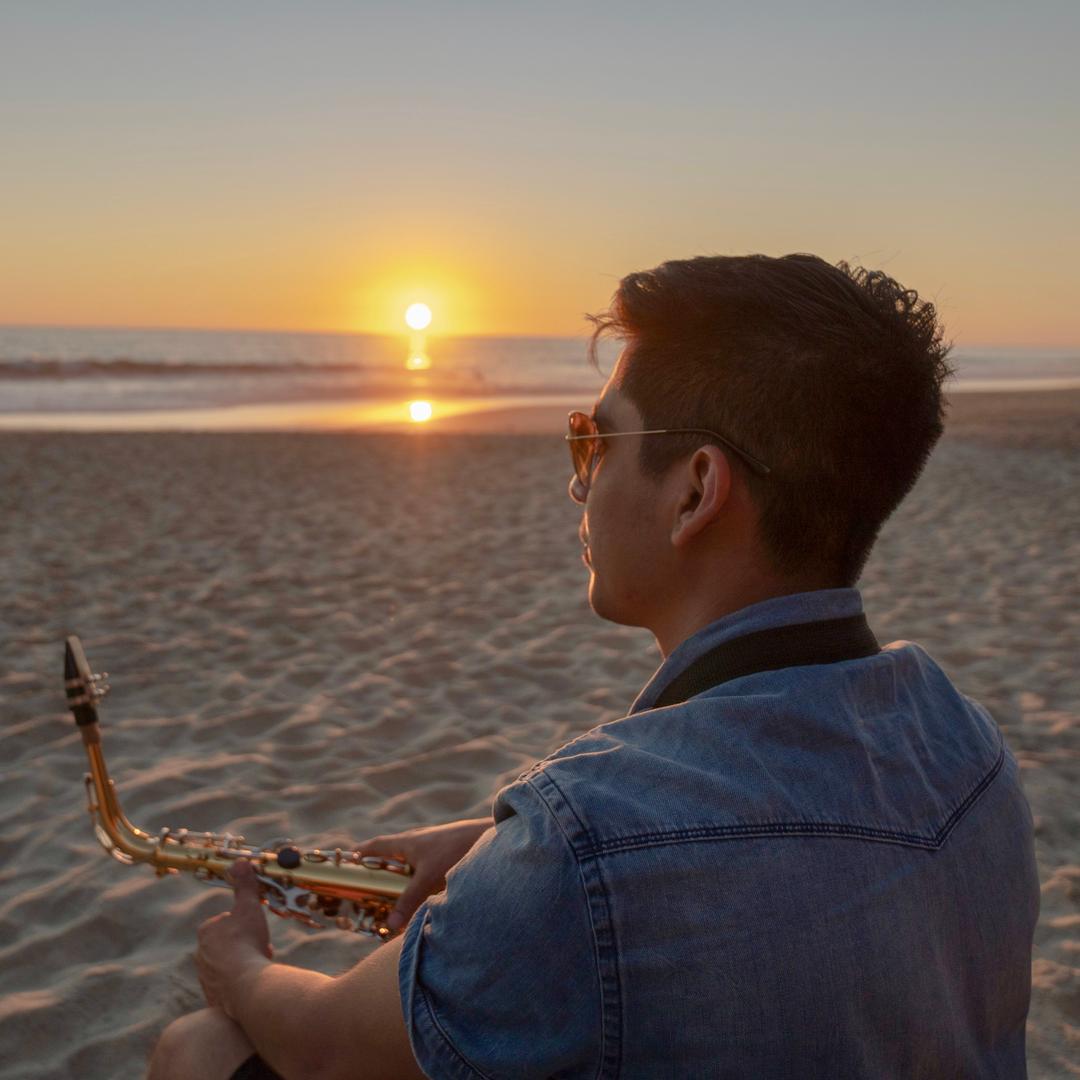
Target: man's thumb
(245,884)
(406,904)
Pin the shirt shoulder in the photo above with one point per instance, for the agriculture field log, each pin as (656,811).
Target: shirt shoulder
(883,747)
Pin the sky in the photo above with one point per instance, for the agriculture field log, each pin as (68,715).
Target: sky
(319,166)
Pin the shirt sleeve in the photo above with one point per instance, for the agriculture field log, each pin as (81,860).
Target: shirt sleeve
(498,972)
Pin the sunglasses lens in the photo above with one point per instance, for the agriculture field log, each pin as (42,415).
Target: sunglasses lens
(581,449)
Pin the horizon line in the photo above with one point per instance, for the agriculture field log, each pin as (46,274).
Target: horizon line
(585,334)
(406,332)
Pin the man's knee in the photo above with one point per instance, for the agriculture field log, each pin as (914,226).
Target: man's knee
(204,1045)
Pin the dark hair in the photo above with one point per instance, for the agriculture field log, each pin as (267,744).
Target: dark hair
(832,376)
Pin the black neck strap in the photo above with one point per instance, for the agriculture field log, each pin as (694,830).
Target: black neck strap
(826,642)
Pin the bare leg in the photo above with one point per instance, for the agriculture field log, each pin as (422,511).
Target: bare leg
(204,1045)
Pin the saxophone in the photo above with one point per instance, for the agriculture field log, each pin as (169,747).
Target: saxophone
(319,888)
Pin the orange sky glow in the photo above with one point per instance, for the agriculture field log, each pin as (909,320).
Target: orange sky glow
(198,180)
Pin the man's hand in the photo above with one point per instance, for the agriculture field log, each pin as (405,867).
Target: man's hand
(232,943)
(431,852)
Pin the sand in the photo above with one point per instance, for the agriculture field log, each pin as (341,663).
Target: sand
(329,636)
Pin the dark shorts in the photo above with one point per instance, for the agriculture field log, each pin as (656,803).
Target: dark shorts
(255,1069)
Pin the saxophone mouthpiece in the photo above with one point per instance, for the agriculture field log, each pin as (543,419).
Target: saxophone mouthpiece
(84,689)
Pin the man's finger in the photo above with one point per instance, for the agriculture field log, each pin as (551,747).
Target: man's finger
(407,903)
(246,885)
(381,845)
(371,844)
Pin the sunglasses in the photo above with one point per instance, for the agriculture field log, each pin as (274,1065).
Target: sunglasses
(583,439)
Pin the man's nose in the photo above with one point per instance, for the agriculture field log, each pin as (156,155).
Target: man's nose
(577,490)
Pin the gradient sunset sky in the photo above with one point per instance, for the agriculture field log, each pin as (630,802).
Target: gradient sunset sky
(318,166)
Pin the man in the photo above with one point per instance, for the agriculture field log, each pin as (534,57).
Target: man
(800,854)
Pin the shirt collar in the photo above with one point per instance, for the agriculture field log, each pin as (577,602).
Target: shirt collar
(776,611)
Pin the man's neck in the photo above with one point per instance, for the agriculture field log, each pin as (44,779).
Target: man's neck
(696,611)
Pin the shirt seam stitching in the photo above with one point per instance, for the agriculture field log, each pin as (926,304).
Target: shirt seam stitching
(545,776)
(433,1018)
(801,828)
(436,1023)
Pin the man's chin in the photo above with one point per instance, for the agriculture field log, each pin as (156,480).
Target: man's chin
(603,607)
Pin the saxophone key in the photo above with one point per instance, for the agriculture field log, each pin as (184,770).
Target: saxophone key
(288,858)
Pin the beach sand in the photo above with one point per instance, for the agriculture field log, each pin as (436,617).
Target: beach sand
(331,636)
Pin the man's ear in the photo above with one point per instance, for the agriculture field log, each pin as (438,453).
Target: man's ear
(704,484)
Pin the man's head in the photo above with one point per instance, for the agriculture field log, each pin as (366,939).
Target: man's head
(832,376)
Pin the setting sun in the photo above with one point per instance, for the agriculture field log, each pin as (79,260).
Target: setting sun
(418,316)
(419,411)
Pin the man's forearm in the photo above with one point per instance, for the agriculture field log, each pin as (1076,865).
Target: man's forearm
(273,1003)
(321,1028)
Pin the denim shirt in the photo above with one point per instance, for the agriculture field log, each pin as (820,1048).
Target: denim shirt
(821,871)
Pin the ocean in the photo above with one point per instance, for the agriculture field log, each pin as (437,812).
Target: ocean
(54,377)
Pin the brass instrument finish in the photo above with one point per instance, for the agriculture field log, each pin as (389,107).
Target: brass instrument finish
(319,888)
